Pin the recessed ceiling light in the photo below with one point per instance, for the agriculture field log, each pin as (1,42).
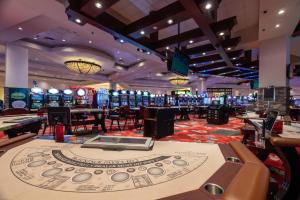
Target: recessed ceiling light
(252,67)
(158,74)
(78,20)
(221,33)
(122,41)
(234,58)
(212,61)
(90,41)
(63,40)
(203,53)
(35,38)
(167,47)
(277,25)
(191,41)
(154,27)
(142,32)
(98,5)
(20,28)
(170,21)
(208,6)
(148,52)
(229,48)
(281,11)
(194,64)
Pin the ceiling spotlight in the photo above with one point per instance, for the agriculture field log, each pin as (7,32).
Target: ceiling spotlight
(78,20)
(208,6)
(35,38)
(203,53)
(281,11)
(234,58)
(167,47)
(154,27)
(229,48)
(63,40)
(194,64)
(252,67)
(121,40)
(158,74)
(20,28)
(221,33)
(148,52)
(90,42)
(98,5)
(212,61)
(142,32)
(191,41)
(277,25)
(170,21)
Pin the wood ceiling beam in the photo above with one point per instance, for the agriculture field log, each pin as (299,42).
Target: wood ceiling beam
(202,22)
(156,16)
(183,37)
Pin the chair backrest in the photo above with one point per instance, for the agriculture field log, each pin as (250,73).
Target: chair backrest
(15,111)
(58,115)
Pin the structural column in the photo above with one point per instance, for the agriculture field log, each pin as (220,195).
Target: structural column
(16,70)
(274,60)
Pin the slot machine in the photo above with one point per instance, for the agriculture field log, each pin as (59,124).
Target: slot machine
(146,97)
(139,98)
(53,97)
(132,102)
(102,98)
(152,99)
(81,97)
(68,98)
(123,94)
(36,98)
(114,99)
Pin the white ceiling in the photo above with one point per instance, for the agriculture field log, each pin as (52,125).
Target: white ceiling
(48,19)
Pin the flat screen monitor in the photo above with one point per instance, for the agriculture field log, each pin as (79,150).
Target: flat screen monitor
(179,64)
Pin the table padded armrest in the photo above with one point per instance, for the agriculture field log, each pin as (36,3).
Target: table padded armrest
(287,142)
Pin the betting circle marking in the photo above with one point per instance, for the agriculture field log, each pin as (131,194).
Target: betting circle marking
(37,163)
(81,177)
(120,177)
(180,163)
(156,171)
(52,172)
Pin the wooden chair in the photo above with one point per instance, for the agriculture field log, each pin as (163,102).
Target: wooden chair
(41,112)
(128,115)
(114,115)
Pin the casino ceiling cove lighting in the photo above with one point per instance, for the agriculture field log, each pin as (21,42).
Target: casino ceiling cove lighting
(83,67)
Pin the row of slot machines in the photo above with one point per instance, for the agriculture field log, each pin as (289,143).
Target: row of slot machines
(54,98)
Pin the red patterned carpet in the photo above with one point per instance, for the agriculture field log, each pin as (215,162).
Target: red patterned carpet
(194,130)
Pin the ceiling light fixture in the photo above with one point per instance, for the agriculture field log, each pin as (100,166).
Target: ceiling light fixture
(208,6)
(20,28)
(154,27)
(148,52)
(229,48)
(281,11)
(98,5)
(234,58)
(179,80)
(221,33)
(142,32)
(170,21)
(121,40)
(78,20)
(203,53)
(167,47)
(191,41)
(90,42)
(35,38)
(277,25)
(158,74)
(63,40)
(83,67)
